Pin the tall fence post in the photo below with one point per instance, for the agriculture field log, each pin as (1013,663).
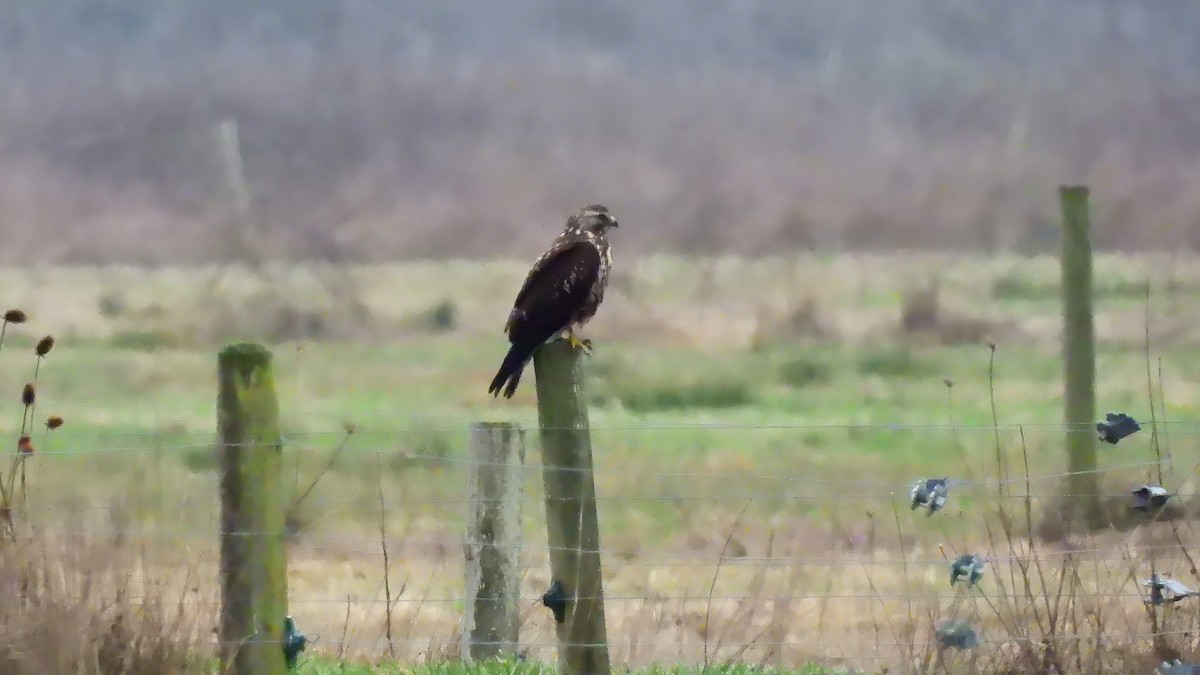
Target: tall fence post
(253,562)
(1079,353)
(235,171)
(572,525)
(242,232)
(493,548)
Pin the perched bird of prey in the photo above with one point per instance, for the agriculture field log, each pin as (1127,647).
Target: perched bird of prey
(560,294)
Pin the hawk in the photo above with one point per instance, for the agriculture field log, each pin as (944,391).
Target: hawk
(560,294)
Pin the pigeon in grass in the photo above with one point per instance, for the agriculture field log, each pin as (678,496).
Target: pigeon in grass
(957,634)
(931,493)
(1115,427)
(1178,667)
(1164,590)
(1150,497)
(967,567)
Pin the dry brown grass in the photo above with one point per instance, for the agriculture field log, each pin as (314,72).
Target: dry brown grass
(788,589)
(97,607)
(83,605)
(70,602)
(783,603)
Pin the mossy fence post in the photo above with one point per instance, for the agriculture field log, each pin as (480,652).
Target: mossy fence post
(493,547)
(1079,354)
(253,561)
(572,525)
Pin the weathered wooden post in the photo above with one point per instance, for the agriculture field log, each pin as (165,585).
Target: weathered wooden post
(1079,353)
(572,526)
(253,562)
(234,169)
(493,548)
(242,233)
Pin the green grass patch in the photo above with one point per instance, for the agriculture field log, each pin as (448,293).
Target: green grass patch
(1017,287)
(804,371)
(142,340)
(660,396)
(893,361)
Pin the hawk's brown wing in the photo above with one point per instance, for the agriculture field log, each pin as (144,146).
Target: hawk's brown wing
(561,243)
(555,289)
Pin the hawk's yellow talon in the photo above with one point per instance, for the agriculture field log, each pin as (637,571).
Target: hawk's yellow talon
(577,343)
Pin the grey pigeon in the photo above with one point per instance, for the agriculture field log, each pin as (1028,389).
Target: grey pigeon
(967,566)
(957,634)
(1149,497)
(931,493)
(1178,667)
(1175,591)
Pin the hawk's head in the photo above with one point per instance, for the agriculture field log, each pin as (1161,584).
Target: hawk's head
(593,218)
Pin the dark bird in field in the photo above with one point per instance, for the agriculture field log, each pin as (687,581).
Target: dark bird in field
(556,599)
(560,294)
(1115,427)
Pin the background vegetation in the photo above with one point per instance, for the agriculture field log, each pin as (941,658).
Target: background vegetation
(373,130)
(829,212)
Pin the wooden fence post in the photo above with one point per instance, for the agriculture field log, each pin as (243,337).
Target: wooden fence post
(1079,353)
(234,169)
(243,234)
(493,548)
(572,526)
(253,562)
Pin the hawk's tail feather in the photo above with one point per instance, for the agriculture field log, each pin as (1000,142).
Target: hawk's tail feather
(510,370)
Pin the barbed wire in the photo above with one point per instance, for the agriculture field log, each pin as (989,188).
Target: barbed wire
(1065,637)
(659,599)
(736,497)
(649,558)
(765,497)
(463,425)
(469,461)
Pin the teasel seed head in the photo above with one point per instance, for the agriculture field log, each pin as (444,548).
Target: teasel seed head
(45,345)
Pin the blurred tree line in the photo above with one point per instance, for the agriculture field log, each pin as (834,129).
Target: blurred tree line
(478,117)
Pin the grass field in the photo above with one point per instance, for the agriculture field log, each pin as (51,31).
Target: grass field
(719,387)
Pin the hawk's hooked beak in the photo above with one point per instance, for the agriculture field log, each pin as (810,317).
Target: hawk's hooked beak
(612,222)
